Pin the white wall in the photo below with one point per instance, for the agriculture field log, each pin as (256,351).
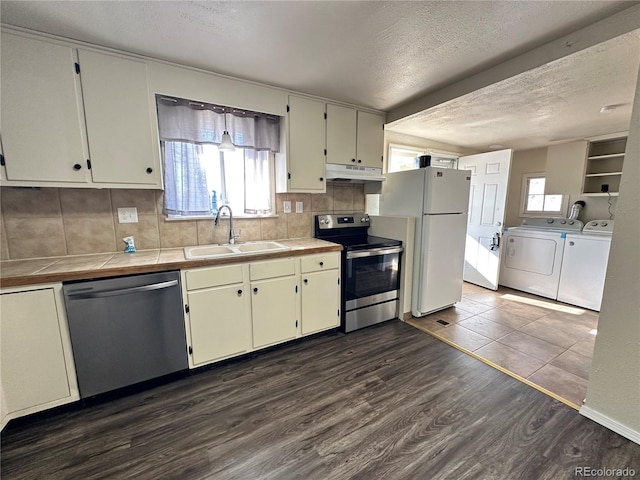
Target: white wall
(613,392)
(522,162)
(399,228)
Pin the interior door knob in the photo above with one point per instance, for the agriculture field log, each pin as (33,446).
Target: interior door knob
(77,166)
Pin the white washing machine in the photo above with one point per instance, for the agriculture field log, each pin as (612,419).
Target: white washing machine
(584,265)
(532,255)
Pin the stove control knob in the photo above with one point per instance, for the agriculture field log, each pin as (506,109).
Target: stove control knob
(549,220)
(594,224)
(571,222)
(363,219)
(564,221)
(604,224)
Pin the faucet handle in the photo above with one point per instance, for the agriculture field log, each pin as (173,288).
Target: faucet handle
(235,235)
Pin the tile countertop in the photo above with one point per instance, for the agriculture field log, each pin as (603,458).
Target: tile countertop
(15,273)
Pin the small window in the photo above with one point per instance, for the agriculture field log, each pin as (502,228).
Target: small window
(402,157)
(535,202)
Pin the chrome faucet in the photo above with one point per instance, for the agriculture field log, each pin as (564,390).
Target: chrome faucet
(232,235)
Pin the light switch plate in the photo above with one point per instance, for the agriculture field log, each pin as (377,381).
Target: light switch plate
(128,215)
(287,206)
(298,207)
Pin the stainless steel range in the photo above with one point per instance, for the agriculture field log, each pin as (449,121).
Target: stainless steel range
(370,269)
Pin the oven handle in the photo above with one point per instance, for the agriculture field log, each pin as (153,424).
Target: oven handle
(374,252)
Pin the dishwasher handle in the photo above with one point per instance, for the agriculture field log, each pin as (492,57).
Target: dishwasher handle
(122,291)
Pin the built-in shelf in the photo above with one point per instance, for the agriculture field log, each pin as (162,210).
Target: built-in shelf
(604,166)
(601,194)
(602,174)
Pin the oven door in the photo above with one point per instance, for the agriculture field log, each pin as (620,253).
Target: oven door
(371,276)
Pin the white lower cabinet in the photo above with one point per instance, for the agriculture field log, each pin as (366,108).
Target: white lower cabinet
(218,313)
(273,303)
(234,309)
(37,369)
(320,301)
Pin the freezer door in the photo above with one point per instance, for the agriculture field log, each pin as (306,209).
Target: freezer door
(446,190)
(438,267)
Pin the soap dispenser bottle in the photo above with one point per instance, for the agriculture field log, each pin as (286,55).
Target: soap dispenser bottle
(214,203)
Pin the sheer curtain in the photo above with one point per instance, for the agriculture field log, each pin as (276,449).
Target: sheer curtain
(257,200)
(184,125)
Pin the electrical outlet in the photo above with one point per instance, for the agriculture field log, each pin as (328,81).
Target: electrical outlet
(604,187)
(298,207)
(287,206)
(128,215)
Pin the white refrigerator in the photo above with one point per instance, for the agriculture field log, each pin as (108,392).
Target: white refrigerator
(438,198)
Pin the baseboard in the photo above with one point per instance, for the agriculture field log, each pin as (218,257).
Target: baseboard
(406,316)
(610,423)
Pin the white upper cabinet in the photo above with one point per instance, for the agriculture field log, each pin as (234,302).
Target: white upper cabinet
(370,139)
(42,123)
(354,137)
(341,135)
(51,137)
(122,148)
(305,158)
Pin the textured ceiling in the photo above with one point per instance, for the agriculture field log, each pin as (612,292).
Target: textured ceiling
(374,54)
(553,103)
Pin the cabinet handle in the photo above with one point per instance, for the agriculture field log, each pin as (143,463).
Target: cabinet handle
(239,292)
(77,166)
(359,161)
(322,264)
(306,280)
(255,290)
(353,159)
(149,170)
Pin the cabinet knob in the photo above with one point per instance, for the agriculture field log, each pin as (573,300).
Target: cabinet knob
(239,292)
(77,166)
(306,280)
(255,290)
(572,243)
(322,179)
(322,264)
(359,161)
(149,170)
(353,159)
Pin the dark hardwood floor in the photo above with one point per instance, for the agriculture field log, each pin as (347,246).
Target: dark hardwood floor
(387,402)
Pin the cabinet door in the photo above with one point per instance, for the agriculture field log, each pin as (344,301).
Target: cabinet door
(370,139)
(320,301)
(42,124)
(306,145)
(118,116)
(33,364)
(273,303)
(220,323)
(341,135)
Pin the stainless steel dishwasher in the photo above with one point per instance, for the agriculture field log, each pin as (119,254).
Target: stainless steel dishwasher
(125,330)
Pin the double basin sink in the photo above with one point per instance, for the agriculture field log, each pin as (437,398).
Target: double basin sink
(217,251)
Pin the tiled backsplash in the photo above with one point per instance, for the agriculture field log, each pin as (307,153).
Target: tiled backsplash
(44,222)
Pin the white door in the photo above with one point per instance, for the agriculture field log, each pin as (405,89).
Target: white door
(487,199)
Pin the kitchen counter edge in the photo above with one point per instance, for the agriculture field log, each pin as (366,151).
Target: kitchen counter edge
(40,276)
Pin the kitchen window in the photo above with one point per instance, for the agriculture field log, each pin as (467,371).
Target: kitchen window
(534,200)
(195,167)
(403,157)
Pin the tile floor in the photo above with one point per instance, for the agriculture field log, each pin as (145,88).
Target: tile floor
(548,343)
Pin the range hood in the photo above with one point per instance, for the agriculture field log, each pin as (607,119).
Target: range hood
(353,173)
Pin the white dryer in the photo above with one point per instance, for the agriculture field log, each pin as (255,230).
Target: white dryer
(584,265)
(532,255)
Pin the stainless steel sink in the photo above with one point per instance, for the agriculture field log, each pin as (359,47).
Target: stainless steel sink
(216,251)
